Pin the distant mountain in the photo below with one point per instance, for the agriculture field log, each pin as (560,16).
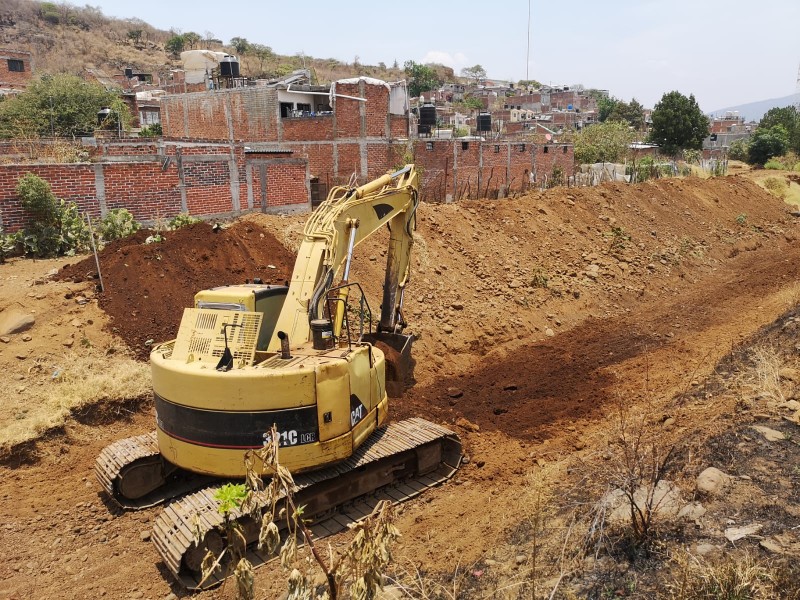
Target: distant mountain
(753,111)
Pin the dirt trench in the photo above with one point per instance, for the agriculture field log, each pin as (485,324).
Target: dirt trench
(535,317)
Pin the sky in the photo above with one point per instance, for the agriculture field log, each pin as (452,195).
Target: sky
(725,52)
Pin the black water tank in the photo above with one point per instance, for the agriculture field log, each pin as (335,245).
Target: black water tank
(427,115)
(229,66)
(484,122)
(103,114)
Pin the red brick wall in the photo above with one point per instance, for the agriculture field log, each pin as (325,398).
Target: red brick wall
(449,170)
(308,128)
(285,181)
(149,184)
(145,189)
(348,115)
(71,182)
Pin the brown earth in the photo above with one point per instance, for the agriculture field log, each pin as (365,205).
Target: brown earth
(537,319)
(147,286)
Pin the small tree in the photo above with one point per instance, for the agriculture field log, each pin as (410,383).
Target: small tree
(603,142)
(678,123)
(175,44)
(422,78)
(475,74)
(135,35)
(191,39)
(739,150)
(787,117)
(767,143)
(59,105)
(240,45)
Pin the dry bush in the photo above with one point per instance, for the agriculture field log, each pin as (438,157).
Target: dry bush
(729,578)
(777,186)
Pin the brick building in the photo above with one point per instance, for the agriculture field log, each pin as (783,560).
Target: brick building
(16,70)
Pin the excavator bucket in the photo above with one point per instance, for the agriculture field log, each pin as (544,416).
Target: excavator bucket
(396,347)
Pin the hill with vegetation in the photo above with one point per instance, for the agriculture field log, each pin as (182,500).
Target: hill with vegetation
(95,41)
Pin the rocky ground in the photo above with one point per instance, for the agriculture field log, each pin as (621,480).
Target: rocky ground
(574,339)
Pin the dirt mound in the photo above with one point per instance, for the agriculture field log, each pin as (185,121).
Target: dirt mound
(147,286)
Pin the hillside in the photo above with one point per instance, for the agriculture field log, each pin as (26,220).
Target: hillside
(109,44)
(545,324)
(753,111)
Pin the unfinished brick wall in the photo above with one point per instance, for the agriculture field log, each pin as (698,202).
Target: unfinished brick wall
(454,169)
(13,59)
(203,179)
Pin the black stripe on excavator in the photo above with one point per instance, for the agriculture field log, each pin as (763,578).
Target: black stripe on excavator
(382,210)
(235,430)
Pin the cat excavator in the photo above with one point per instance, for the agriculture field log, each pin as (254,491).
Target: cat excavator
(305,358)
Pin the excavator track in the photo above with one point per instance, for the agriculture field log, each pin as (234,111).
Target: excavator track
(137,459)
(395,463)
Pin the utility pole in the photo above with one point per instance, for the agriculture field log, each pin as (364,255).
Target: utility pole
(528,54)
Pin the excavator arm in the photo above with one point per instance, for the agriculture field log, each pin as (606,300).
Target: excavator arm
(346,218)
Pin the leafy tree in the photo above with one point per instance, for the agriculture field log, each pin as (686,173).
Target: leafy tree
(631,113)
(603,142)
(767,143)
(60,105)
(678,123)
(471,103)
(605,107)
(49,12)
(191,39)
(523,83)
(475,74)
(789,118)
(422,78)
(240,44)
(175,44)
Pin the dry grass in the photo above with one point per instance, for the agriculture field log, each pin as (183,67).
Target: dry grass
(731,578)
(80,384)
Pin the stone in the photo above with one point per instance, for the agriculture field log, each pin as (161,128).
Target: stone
(666,501)
(705,549)
(464,424)
(447,328)
(772,545)
(769,434)
(692,511)
(13,320)
(711,481)
(789,374)
(5,339)
(733,534)
(455,392)
(549,332)
(791,405)
(144,536)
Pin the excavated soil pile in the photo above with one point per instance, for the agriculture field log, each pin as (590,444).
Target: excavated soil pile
(147,286)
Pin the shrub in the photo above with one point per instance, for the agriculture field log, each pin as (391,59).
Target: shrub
(182,220)
(56,228)
(739,150)
(777,186)
(117,224)
(8,244)
(153,130)
(773,165)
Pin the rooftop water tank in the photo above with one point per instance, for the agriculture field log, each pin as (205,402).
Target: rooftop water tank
(229,66)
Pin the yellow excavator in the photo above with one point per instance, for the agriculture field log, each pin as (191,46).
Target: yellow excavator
(305,358)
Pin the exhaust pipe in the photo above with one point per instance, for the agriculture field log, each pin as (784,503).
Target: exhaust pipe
(285,354)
